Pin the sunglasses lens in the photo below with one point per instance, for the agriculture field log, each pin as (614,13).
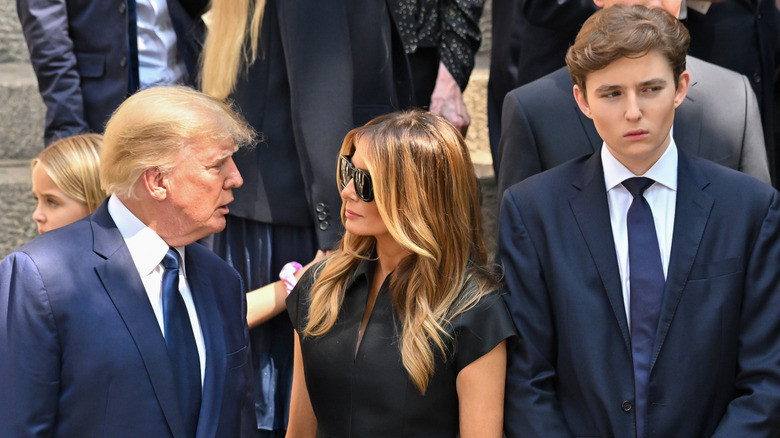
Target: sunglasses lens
(360,178)
(344,172)
(363,186)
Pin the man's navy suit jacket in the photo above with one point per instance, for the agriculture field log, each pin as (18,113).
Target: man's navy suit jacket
(82,353)
(542,126)
(715,368)
(83,58)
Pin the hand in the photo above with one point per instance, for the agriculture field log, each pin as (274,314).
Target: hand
(447,100)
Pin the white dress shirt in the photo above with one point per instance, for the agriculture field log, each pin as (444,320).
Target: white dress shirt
(159,62)
(147,250)
(661,196)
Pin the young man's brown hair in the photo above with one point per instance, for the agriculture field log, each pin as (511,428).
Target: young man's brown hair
(624,31)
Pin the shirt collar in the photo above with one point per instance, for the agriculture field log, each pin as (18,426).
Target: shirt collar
(664,171)
(146,248)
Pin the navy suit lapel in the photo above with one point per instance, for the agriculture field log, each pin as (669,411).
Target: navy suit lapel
(201,287)
(693,208)
(123,285)
(591,210)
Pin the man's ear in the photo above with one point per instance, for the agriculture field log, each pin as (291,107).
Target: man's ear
(155,183)
(683,83)
(599,3)
(582,101)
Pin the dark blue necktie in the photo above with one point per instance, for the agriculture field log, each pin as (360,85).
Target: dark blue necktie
(180,341)
(647,289)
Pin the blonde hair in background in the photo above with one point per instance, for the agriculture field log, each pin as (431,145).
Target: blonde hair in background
(225,52)
(150,128)
(73,164)
(427,194)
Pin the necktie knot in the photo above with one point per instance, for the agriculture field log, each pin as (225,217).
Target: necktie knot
(637,185)
(171,260)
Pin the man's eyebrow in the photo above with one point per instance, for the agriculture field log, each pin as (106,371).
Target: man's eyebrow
(607,87)
(654,81)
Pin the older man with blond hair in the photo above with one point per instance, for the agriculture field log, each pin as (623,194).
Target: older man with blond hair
(119,324)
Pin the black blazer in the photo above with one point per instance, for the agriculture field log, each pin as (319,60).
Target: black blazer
(79,51)
(716,363)
(543,126)
(321,74)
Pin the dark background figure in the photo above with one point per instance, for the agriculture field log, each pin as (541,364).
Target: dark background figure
(530,39)
(316,70)
(441,39)
(742,35)
(506,37)
(85,54)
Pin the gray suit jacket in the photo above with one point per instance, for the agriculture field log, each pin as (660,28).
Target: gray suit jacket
(542,126)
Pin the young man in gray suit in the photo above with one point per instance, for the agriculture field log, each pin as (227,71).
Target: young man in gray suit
(719,120)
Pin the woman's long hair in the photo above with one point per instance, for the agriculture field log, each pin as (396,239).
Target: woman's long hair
(428,197)
(232,43)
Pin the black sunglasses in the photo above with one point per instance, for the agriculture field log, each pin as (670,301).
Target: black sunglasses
(361,179)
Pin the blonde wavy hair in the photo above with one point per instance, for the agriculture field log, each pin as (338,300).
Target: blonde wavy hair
(150,128)
(427,194)
(73,164)
(231,25)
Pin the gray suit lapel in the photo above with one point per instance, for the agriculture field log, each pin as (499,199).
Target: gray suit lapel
(688,118)
(693,208)
(591,211)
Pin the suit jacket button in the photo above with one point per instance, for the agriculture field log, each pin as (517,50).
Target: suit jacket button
(320,207)
(122,8)
(324,225)
(123,62)
(626,406)
(322,215)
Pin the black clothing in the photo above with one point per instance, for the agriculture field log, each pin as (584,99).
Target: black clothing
(370,394)
(451,26)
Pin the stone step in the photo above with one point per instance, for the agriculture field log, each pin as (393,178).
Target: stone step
(22,114)
(16,225)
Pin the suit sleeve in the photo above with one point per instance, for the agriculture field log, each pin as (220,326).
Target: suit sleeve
(45,26)
(531,407)
(753,411)
(754,157)
(29,352)
(461,37)
(518,157)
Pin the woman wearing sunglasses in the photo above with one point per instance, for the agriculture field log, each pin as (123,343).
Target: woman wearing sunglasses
(400,331)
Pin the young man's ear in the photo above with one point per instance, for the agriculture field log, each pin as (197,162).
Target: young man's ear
(599,3)
(155,183)
(683,83)
(582,101)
